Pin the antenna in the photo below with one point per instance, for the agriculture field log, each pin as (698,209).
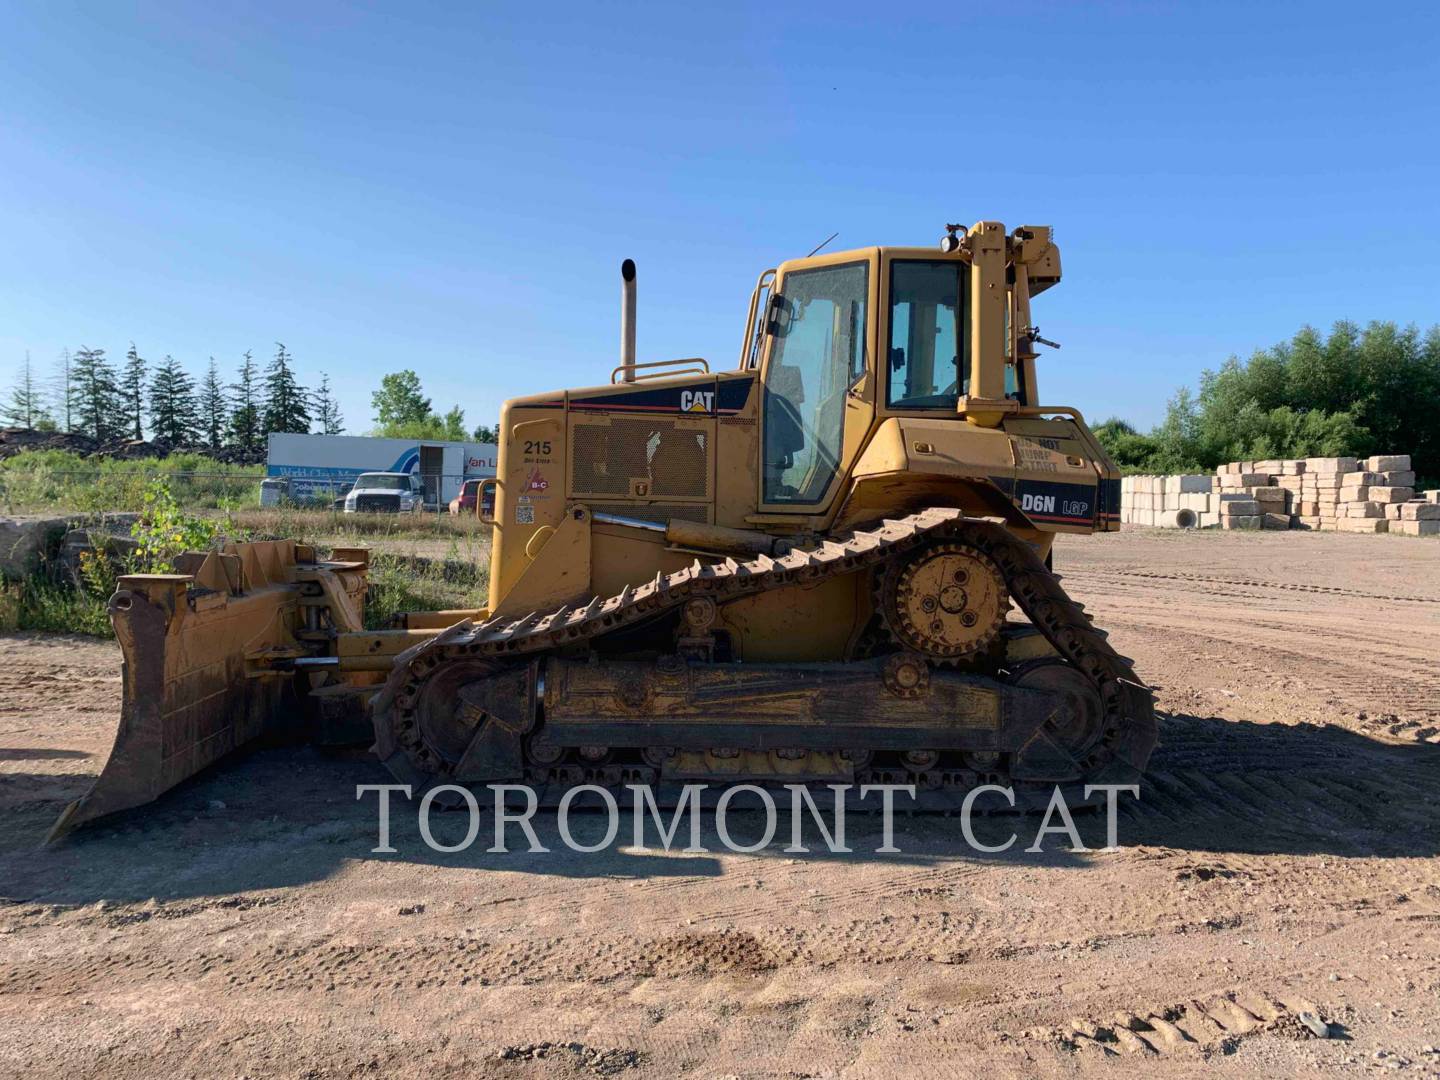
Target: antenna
(822,243)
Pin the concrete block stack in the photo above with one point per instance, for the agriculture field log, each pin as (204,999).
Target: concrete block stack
(1169,502)
(1365,496)
(1375,495)
(1250,498)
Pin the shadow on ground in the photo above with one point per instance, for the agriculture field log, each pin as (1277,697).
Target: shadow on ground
(287,816)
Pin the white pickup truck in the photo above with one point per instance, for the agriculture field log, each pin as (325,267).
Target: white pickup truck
(385,493)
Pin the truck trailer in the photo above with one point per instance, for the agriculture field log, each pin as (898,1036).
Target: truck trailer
(318,467)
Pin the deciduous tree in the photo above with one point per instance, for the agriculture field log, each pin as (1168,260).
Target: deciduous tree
(399,403)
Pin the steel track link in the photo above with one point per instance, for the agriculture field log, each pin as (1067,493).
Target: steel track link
(1127,737)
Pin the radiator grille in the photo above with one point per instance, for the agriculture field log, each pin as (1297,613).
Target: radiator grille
(377,503)
(670,461)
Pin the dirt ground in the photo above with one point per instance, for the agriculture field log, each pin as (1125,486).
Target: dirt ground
(1282,858)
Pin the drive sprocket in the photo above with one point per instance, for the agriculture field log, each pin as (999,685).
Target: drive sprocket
(946,601)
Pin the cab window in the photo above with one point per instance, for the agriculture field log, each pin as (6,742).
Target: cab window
(818,353)
(929,362)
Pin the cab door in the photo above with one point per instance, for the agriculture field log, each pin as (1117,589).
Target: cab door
(817,395)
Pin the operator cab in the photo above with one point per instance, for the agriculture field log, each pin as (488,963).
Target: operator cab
(821,336)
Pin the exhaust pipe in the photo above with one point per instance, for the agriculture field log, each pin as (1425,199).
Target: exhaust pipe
(627,320)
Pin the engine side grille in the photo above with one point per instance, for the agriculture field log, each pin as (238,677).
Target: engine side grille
(670,461)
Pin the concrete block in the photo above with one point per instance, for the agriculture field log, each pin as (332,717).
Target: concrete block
(1419,511)
(1388,462)
(1308,508)
(1362,525)
(1271,467)
(1431,495)
(1415,528)
(1360,479)
(1391,494)
(1331,464)
(1197,502)
(1255,479)
(1209,520)
(1355,494)
(1239,508)
(1398,478)
(1251,521)
(1392,511)
(1192,483)
(1364,510)
(1269,495)
(1275,521)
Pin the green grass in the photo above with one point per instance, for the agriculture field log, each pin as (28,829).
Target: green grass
(53,608)
(398,582)
(420,562)
(333,525)
(407,583)
(38,480)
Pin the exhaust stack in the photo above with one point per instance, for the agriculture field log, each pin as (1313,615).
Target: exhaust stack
(627,320)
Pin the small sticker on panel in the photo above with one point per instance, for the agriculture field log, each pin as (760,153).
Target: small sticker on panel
(525,515)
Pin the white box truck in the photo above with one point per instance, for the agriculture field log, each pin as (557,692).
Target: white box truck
(319,467)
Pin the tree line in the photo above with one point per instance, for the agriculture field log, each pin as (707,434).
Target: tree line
(88,395)
(1353,392)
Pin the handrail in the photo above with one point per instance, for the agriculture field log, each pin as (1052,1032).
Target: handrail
(703,369)
(747,345)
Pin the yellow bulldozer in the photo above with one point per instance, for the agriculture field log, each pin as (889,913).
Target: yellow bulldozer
(801,569)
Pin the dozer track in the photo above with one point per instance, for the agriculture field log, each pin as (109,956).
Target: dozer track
(469,705)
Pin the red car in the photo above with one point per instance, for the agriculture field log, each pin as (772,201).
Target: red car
(464,503)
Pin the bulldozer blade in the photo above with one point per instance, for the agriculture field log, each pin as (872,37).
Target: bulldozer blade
(199,674)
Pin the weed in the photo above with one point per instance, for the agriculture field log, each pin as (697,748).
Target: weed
(413,583)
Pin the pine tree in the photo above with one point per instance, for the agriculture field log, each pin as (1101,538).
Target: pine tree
(64,390)
(327,409)
(212,408)
(286,408)
(245,415)
(173,413)
(26,407)
(96,395)
(132,386)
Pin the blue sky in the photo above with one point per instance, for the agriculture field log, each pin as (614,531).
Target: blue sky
(451,187)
